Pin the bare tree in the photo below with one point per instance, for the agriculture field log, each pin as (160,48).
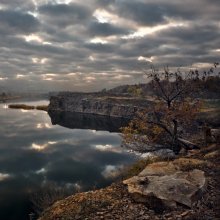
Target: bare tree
(174,110)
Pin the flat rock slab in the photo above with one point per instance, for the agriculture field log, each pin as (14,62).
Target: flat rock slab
(159,169)
(162,185)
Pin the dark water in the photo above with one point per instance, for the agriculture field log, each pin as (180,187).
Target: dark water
(77,152)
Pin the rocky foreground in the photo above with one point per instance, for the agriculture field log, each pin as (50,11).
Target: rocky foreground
(185,188)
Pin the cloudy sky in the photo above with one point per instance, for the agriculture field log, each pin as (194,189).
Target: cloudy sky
(88,45)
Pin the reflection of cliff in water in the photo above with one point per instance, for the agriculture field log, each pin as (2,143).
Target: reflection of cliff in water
(87,121)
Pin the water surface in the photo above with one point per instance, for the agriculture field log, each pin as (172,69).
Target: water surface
(34,152)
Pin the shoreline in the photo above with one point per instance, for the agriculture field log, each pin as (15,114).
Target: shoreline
(115,202)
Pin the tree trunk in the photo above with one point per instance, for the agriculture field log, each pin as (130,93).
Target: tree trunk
(175,145)
(168,103)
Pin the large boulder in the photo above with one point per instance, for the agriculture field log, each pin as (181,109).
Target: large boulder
(162,185)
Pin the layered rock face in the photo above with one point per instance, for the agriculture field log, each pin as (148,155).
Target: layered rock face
(90,104)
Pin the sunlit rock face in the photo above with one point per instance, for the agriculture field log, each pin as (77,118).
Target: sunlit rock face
(92,103)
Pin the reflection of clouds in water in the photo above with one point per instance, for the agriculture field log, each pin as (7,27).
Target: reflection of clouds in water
(112,171)
(52,142)
(38,146)
(4,176)
(101,147)
(75,186)
(41,171)
(34,152)
(24,111)
(43,125)
(107,147)
(41,147)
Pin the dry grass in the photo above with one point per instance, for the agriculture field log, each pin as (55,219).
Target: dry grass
(47,195)
(187,164)
(21,106)
(29,107)
(137,167)
(42,107)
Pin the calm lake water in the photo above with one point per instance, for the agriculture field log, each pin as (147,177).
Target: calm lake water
(80,152)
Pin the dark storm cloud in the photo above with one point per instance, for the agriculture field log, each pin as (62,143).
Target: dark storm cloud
(152,13)
(91,44)
(106,29)
(63,14)
(102,48)
(104,3)
(194,34)
(16,22)
(143,13)
(18,4)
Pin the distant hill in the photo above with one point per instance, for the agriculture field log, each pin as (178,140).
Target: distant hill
(210,89)
(144,88)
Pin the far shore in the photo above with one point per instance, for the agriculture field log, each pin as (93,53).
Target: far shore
(28,107)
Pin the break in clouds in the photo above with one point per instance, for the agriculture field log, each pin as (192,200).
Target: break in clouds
(94,44)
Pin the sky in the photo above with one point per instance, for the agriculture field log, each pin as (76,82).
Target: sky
(89,45)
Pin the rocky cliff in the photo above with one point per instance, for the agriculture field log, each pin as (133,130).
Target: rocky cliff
(95,103)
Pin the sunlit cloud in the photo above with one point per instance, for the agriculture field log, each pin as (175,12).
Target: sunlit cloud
(141,58)
(39,60)
(89,79)
(98,41)
(77,39)
(50,74)
(120,76)
(47,77)
(33,37)
(144,31)
(91,58)
(103,16)
(36,38)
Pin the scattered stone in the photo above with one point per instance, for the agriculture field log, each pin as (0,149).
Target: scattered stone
(185,213)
